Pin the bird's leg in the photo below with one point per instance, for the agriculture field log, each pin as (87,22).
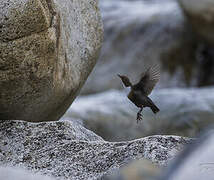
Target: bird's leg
(139,115)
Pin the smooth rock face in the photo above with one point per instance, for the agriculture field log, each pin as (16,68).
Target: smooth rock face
(196,162)
(111,115)
(60,150)
(147,34)
(11,173)
(201,15)
(47,50)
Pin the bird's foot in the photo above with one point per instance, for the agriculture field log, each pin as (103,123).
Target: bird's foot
(139,117)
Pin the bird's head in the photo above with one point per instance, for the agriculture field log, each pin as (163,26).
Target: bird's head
(125,80)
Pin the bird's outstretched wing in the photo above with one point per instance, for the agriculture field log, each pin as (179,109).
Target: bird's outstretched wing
(149,79)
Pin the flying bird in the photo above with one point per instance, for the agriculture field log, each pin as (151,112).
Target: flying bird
(140,91)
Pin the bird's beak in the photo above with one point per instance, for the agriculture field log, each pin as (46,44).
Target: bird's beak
(119,76)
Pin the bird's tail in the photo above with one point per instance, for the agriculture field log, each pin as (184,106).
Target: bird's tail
(155,109)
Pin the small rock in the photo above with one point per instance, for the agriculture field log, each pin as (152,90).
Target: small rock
(137,170)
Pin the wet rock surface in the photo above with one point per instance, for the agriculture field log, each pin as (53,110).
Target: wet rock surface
(47,50)
(195,162)
(111,115)
(58,149)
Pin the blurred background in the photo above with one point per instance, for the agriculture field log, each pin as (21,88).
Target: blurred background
(177,35)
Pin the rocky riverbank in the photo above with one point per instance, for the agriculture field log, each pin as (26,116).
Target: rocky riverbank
(48,48)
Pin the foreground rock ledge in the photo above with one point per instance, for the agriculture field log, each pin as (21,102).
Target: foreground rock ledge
(68,150)
(47,50)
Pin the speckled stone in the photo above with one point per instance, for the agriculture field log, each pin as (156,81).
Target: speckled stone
(47,50)
(20,18)
(67,150)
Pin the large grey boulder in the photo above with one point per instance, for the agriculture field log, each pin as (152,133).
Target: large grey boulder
(47,50)
(111,115)
(67,150)
(201,16)
(139,33)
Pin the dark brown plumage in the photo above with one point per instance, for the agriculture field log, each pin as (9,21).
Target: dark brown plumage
(140,91)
